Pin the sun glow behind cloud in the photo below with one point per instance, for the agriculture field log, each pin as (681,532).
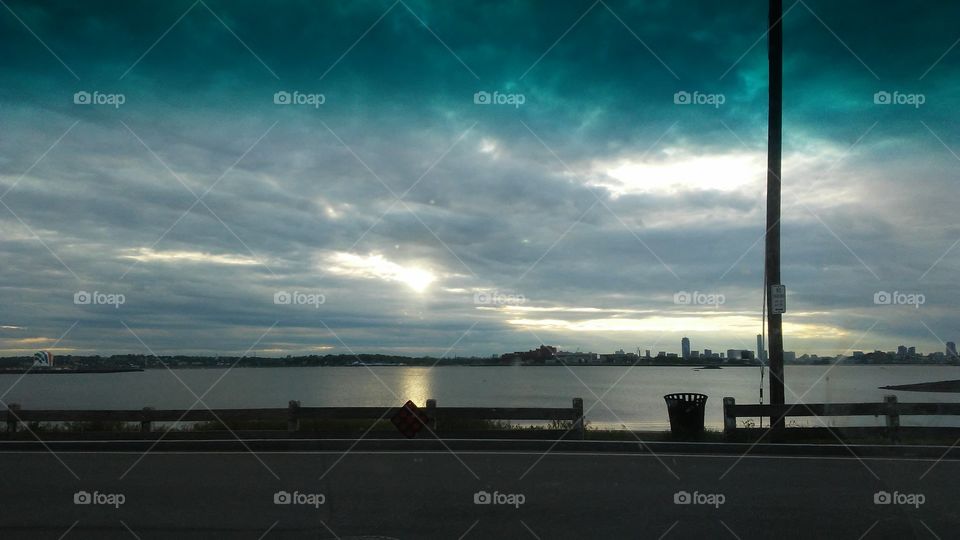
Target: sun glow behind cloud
(376,266)
(723,172)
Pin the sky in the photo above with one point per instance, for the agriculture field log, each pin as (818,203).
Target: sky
(470,178)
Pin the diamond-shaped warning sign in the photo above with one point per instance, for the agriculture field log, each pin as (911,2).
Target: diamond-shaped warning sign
(409,419)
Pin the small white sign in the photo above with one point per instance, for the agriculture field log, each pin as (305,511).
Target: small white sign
(778,299)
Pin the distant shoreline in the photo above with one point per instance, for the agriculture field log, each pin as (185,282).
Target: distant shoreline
(10,365)
(936,386)
(708,367)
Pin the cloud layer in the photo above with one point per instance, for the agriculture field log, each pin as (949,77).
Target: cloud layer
(430,223)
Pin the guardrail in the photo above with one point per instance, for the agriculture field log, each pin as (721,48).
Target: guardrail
(889,408)
(293,414)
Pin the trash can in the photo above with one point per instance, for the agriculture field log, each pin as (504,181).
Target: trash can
(686,413)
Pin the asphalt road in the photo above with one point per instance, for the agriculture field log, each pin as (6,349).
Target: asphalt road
(413,495)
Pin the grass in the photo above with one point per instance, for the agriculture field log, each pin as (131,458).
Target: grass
(361,425)
(315,425)
(748,432)
(81,427)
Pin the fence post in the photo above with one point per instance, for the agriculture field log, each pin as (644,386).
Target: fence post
(893,418)
(431,413)
(293,416)
(578,427)
(729,417)
(145,420)
(12,420)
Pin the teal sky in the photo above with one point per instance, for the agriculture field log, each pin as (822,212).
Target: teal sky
(574,213)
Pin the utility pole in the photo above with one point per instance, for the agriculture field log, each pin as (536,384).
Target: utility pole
(772,254)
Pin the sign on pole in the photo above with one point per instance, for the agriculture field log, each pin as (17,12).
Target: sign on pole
(409,419)
(778,299)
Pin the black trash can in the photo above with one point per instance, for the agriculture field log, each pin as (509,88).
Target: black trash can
(686,413)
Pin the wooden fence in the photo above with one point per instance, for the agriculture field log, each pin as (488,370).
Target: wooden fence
(294,414)
(889,408)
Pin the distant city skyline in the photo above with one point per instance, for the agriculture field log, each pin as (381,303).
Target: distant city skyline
(686,350)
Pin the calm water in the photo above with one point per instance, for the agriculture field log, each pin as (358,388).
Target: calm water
(636,401)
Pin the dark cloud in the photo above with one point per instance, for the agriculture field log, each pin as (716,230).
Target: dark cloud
(522,200)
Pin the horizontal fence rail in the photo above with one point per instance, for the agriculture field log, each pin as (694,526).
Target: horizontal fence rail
(889,408)
(293,414)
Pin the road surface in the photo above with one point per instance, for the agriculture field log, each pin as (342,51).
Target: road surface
(430,494)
